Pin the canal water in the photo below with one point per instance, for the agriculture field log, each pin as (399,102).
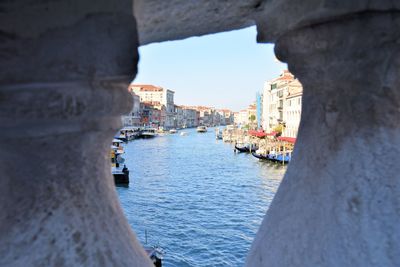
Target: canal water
(196,198)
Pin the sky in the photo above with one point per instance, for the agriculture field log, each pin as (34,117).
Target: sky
(223,70)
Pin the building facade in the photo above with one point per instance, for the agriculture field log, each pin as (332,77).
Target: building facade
(274,94)
(292,109)
(133,117)
(156,94)
(281,104)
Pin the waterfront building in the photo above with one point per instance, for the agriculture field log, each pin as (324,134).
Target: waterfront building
(190,117)
(292,109)
(206,115)
(236,117)
(252,115)
(153,114)
(242,118)
(274,95)
(179,119)
(225,116)
(133,117)
(157,94)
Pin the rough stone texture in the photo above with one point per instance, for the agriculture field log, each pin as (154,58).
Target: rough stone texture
(65,67)
(281,16)
(57,197)
(53,41)
(339,203)
(177,19)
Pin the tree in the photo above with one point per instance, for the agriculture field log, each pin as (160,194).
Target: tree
(252,118)
(278,129)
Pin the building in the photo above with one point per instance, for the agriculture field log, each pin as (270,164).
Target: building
(133,117)
(225,116)
(274,93)
(152,114)
(179,119)
(292,109)
(190,117)
(242,118)
(281,104)
(156,94)
(252,116)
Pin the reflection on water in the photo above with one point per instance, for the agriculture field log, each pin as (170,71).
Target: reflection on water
(196,198)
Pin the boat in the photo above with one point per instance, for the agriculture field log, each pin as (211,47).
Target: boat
(184,133)
(260,156)
(148,133)
(201,129)
(116,144)
(156,255)
(120,172)
(172,131)
(273,156)
(246,148)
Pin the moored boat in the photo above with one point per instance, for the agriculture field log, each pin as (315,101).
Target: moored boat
(259,155)
(156,255)
(120,172)
(148,133)
(201,129)
(218,134)
(246,148)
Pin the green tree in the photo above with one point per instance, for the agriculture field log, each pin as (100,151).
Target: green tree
(278,129)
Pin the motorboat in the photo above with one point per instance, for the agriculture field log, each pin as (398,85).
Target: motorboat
(156,255)
(201,129)
(172,131)
(184,133)
(218,134)
(148,133)
(118,169)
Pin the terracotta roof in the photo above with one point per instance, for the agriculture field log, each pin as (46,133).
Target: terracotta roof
(147,87)
(285,76)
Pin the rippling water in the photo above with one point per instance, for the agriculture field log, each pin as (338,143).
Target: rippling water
(196,198)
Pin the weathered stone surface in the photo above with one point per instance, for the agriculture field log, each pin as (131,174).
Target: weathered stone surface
(177,19)
(53,41)
(57,197)
(339,203)
(65,69)
(282,16)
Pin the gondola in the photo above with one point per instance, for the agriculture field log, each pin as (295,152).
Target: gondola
(259,156)
(246,148)
(243,149)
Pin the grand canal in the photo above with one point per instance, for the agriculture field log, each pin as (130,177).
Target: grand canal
(196,198)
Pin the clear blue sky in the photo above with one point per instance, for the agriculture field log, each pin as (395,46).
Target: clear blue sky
(223,70)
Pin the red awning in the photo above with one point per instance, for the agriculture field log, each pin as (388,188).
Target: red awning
(271,134)
(287,139)
(259,134)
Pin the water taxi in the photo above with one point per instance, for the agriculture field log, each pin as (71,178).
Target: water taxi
(148,133)
(201,129)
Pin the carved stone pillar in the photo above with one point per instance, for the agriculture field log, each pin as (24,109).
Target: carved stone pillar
(65,70)
(339,202)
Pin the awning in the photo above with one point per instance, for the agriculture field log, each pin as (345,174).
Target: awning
(259,134)
(287,139)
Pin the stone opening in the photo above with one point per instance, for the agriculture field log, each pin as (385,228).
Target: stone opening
(338,203)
